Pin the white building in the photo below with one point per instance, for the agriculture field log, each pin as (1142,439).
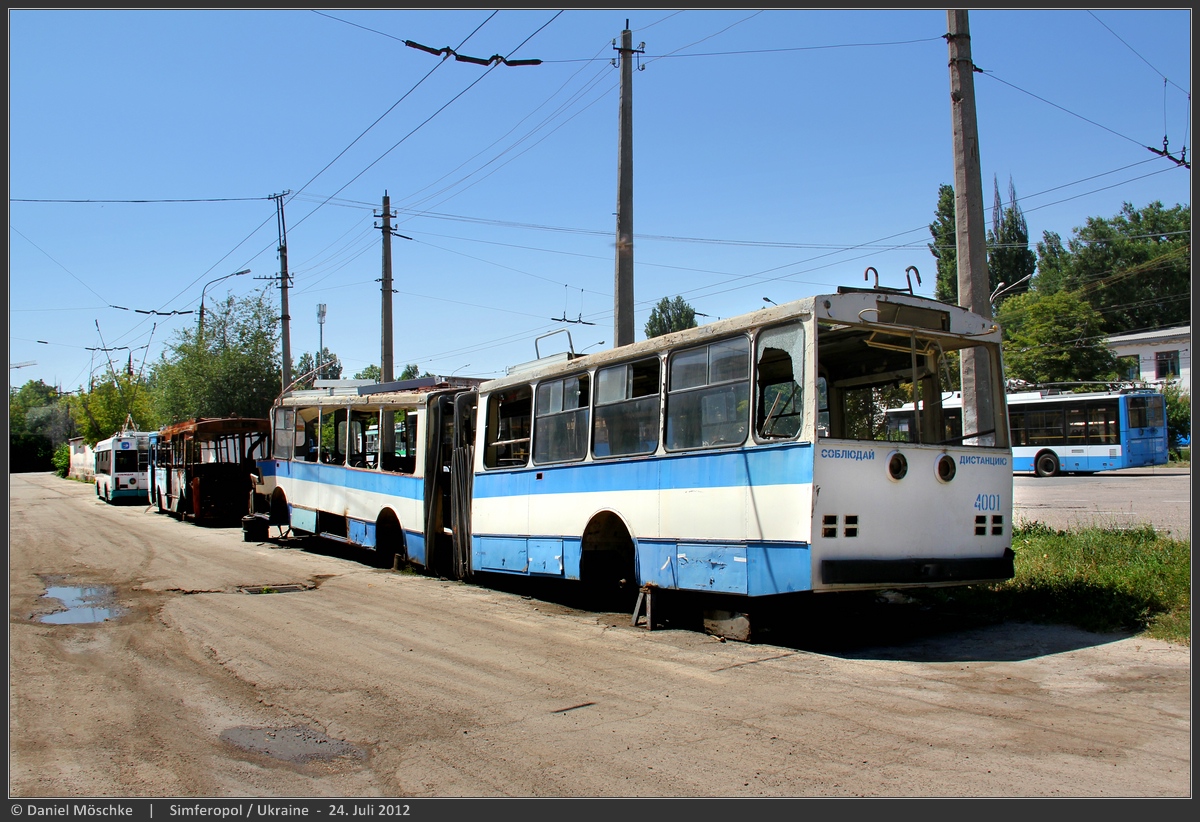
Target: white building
(1156,357)
(83,462)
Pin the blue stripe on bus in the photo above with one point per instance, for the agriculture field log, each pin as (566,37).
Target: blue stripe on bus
(759,466)
(750,569)
(377,482)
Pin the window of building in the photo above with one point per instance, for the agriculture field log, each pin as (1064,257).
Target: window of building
(1166,365)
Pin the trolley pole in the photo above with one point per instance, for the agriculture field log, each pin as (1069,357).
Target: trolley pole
(978,414)
(623,291)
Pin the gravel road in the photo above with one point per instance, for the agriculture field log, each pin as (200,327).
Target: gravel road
(351,681)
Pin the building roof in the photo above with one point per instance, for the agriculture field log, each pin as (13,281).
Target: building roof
(1161,335)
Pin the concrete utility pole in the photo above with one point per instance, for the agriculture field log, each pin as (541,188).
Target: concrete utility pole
(385,361)
(285,319)
(387,419)
(623,291)
(971,240)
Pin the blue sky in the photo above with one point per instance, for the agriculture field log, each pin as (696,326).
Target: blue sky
(777,153)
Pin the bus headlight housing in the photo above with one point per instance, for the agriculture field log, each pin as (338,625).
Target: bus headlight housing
(945,468)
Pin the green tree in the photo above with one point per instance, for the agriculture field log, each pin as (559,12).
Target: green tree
(108,404)
(412,372)
(1135,268)
(1010,262)
(1051,338)
(1179,414)
(670,315)
(371,372)
(39,422)
(234,370)
(62,460)
(944,247)
(1052,263)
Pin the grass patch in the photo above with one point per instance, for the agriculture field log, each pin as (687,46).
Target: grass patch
(1098,579)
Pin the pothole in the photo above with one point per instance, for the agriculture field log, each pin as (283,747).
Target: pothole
(84,604)
(295,744)
(280,588)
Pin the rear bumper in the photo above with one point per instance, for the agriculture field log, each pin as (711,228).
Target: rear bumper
(918,571)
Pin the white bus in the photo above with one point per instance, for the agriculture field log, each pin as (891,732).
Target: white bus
(122,464)
(742,459)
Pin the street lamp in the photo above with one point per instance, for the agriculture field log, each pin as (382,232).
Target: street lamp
(586,347)
(769,300)
(200,337)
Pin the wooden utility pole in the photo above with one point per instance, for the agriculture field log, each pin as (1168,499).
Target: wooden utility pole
(978,414)
(623,290)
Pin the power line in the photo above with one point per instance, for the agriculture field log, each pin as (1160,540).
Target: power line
(204,200)
(1139,56)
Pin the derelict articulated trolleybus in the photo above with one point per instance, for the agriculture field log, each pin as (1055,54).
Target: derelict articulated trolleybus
(121,466)
(201,469)
(745,458)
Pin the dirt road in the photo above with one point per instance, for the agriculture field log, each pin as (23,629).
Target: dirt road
(363,682)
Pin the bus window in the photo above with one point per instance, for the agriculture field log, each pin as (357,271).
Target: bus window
(561,428)
(1145,412)
(285,436)
(1044,426)
(1102,424)
(708,396)
(363,447)
(780,367)
(1076,425)
(350,440)
(627,405)
(508,424)
(822,407)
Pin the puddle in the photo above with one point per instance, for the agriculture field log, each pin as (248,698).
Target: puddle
(296,744)
(85,604)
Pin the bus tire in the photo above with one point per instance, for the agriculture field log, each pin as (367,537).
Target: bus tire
(1045,464)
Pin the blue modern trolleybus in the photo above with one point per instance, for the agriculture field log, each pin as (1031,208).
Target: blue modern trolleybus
(742,459)
(1056,432)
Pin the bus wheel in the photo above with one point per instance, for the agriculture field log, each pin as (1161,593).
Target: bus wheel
(607,565)
(1046,464)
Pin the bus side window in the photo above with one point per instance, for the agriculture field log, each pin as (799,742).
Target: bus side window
(780,369)
(708,395)
(627,406)
(402,458)
(508,428)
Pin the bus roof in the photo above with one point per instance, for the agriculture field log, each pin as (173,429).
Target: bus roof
(848,307)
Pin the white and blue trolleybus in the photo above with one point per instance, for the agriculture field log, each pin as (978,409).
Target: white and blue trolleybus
(1055,431)
(742,459)
(122,464)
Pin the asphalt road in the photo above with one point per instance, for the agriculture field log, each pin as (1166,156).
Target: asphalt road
(189,678)
(1159,496)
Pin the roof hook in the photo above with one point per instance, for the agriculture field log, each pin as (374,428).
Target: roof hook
(913,269)
(871,270)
